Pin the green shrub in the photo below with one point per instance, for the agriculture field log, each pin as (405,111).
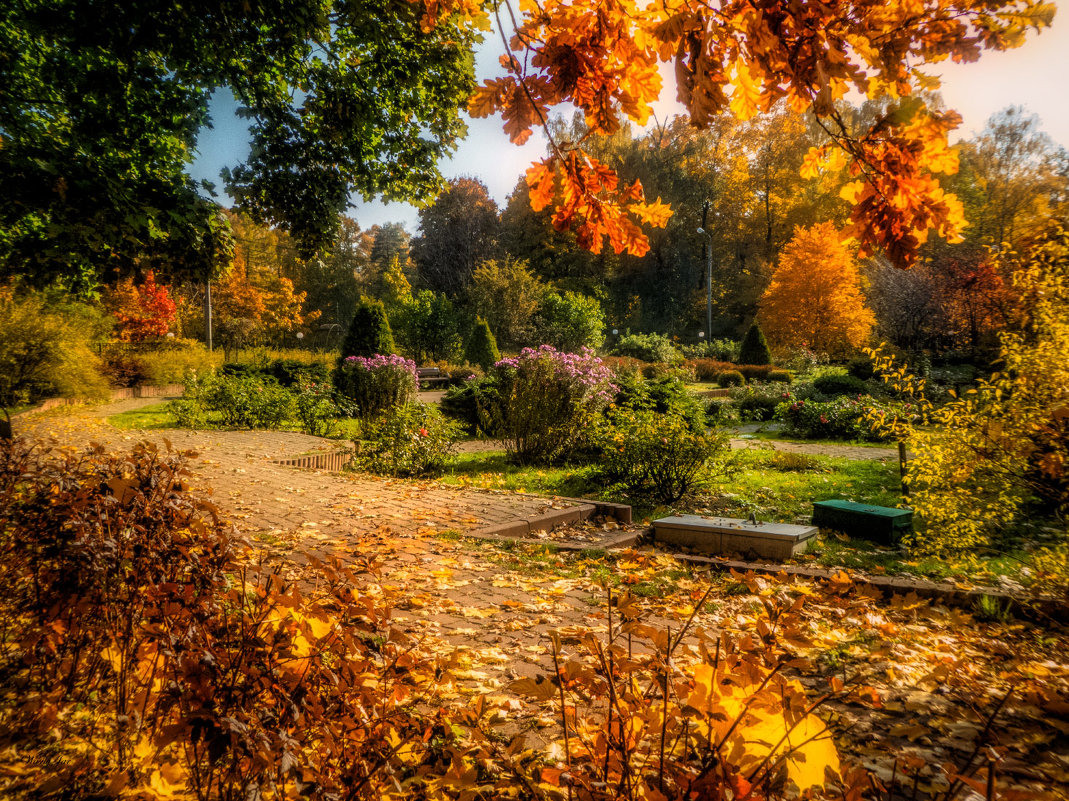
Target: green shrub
(318,409)
(668,396)
(861,368)
(238,401)
(373,385)
(46,352)
(411,441)
(474,404)
(842,418)
(834,384)
(780,376)
(243,370)
(482,347)
(293,373)
(730,378)
(569,321)
(647,347)
(721,412)
(249,402)
(191,410)
(656,455)
(721,350)
(655,371)
(369,332)
(754,348)
(758,403)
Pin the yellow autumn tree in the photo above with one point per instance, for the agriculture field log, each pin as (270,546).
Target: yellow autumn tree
(815,297)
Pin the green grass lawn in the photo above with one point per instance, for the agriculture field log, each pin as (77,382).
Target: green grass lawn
(774,486)
(147,418)
(156,416)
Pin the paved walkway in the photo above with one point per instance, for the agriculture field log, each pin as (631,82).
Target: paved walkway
(278,503)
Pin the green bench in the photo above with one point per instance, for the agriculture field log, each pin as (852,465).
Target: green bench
(864,521)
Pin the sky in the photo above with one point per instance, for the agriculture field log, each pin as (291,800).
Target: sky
(1035,76)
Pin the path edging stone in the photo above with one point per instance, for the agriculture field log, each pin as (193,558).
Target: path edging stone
(887,585)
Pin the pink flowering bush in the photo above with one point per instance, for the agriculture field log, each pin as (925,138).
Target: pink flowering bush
(548,401)
(376,384)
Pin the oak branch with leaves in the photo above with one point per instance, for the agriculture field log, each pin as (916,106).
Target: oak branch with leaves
(743,56)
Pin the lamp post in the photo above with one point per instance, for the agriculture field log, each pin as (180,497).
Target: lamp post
(708,279)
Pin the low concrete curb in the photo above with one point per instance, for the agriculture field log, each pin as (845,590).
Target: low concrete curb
(889,585)
(518,529)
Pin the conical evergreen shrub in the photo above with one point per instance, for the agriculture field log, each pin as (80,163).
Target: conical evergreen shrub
(482,347)
(754,348)
(369,332)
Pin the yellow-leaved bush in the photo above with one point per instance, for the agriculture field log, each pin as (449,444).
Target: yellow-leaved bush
(1001,450)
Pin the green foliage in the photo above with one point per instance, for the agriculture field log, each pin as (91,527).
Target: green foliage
(374,385)
(730,378)
(507,294)
(648,347)
(246,400)
(474,404)
(413,440)
(656,454)
(757,403)
(249,402)
(46,351)
(842,418)
(860,367)
(721,350)
(293,373)
(107,105)
(780,376)
(832,384)
(667,396)
(427,327)
(569,321)
(318,409)
(482,349)
(369,332)
(754,348)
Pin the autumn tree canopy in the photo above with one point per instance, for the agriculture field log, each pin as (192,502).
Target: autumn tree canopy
(744,56)
(815,297)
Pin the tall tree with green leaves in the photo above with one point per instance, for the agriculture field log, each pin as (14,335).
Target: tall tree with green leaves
(456,233)
(102,105)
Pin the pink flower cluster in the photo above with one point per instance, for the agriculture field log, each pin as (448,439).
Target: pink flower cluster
(378,361)
(583,370)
